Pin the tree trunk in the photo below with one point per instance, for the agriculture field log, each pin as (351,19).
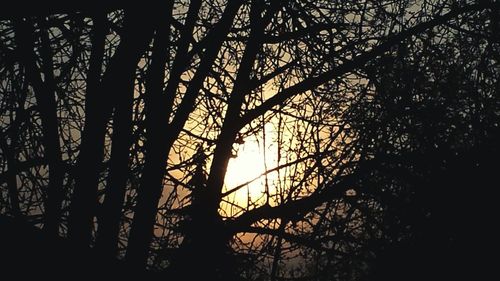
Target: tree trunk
(205,245)
(159,143)
(109,224)
(46,100)
(9,154)
(114,86)
(110,214)
(91,147)
(207,238)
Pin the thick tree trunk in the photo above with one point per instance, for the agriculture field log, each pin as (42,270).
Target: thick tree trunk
(114,88)
(46,100)
(159,143)
(55,193)
(109,224)
(110,214)
(207,238)
(9,154)
(205,245)
(91,147)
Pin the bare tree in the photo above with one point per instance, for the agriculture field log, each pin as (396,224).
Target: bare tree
(123,126)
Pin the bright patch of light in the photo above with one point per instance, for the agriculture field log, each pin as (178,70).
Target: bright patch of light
(249,165)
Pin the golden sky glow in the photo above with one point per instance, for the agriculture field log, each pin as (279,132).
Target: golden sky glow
(252,159)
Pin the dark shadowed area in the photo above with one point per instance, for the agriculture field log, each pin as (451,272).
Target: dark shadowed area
(250,140)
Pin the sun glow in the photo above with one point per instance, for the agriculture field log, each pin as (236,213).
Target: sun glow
(246,172)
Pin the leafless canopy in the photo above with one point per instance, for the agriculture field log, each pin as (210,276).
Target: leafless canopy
(122,125)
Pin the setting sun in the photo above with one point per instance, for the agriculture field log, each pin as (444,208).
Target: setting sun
(247,171)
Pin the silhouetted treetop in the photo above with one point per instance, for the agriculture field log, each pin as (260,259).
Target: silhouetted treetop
(251,139)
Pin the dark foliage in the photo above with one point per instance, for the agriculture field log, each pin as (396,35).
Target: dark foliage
(250,140)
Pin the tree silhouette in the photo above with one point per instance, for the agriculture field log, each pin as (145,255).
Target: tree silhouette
(120,122)
(434,129)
